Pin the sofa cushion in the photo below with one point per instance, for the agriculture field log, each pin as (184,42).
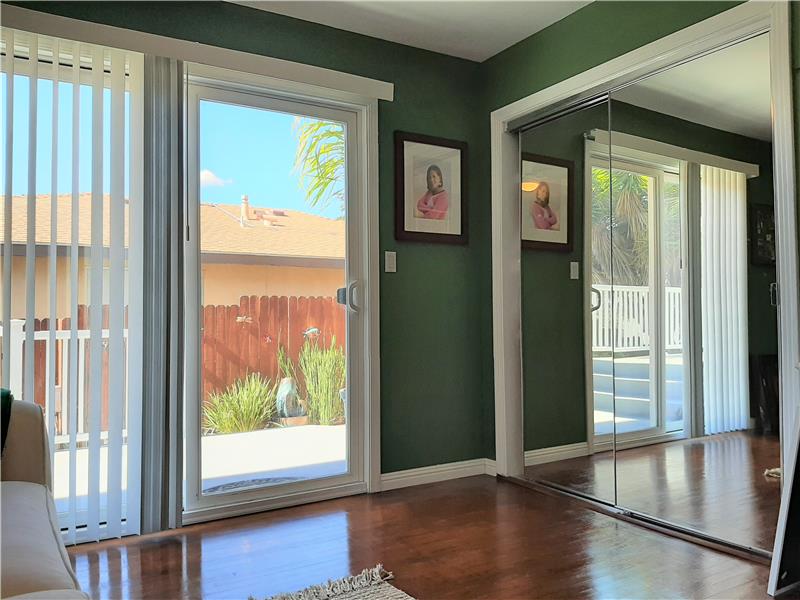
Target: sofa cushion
(34,557)
(52,595)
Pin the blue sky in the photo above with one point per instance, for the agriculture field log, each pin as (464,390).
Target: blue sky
(251,151)
(243,150)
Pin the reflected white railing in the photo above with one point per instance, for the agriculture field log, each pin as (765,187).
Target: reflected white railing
(627,328)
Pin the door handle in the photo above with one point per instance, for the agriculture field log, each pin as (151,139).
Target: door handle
(346,296)
(599,299)
(773,293)
(351,293)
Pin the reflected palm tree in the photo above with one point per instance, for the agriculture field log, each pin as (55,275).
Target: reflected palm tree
(620,228)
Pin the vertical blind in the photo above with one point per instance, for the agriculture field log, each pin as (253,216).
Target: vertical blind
(723,291)
(71,268)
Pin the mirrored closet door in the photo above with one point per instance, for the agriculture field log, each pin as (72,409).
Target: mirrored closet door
(565,203)
(696,355)
(650,374)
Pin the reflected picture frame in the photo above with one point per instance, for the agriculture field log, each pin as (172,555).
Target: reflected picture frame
(762,235)
(546,219)
(430,189)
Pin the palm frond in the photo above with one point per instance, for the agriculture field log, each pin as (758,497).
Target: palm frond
(320,161)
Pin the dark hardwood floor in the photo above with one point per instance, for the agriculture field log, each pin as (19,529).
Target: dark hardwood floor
(467,538)
(715,484)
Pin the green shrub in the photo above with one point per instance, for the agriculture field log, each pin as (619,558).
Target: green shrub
(324,373)
(285,363)
(248,404)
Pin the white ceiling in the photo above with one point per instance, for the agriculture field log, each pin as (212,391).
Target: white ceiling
(475,30)
(728,90)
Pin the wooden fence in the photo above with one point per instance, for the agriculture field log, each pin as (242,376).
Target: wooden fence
(242,339)
(237,340)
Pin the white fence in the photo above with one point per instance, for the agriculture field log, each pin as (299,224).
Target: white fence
(63,370)
(628,327)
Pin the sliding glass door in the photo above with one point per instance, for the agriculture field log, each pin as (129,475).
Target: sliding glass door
(272,273)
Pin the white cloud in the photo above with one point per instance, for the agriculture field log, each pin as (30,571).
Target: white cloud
(210,179)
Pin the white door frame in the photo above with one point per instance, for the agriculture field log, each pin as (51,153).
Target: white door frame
(354,480)
(713,33)
(364,447)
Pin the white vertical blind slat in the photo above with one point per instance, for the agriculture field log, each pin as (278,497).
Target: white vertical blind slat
(135,302)
(96,299)
(724,299)
(30,246)
(7,212)
(53,264)
(116,293)
(741,314)
(73,303)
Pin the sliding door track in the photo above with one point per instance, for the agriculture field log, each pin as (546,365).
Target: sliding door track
(666,527)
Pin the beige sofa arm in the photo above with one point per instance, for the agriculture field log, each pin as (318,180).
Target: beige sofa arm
(26,456)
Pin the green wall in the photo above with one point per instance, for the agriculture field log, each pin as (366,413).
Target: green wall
(552,304)
(436,358)
(432,393)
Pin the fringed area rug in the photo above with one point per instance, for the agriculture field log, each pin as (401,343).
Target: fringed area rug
(370,584)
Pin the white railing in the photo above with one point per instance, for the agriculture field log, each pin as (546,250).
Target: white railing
(16,379)
(627,329)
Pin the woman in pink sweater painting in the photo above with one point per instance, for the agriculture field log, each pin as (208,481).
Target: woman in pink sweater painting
(434,203)
(544,217)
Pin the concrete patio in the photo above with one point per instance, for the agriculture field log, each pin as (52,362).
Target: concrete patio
(231,461)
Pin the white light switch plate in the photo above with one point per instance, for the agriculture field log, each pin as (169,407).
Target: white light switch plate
(390,262)
(574,270)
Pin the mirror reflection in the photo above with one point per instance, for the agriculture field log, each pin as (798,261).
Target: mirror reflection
(558,174)
(696,359)
(673,412)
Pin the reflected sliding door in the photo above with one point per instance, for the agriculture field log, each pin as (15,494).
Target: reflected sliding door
(638,300)
(272,269)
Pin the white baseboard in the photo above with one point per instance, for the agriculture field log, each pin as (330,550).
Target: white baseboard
(477,466)
(436,473)
(546,455)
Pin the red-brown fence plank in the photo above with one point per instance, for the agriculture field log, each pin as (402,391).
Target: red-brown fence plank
(219,347)
(267,357)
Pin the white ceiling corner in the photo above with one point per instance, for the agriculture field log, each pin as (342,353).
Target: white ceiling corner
(475,30)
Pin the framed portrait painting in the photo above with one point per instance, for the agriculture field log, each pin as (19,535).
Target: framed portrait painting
(430,189)
(546,201)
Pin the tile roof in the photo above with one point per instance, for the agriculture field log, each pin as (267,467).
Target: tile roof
(287,233)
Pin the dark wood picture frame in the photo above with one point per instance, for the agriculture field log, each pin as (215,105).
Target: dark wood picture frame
(761,219)
(570,167)
(400,232)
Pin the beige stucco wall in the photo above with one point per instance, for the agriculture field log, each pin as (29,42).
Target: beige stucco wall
(226,283)
(222,284)
(42,289)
